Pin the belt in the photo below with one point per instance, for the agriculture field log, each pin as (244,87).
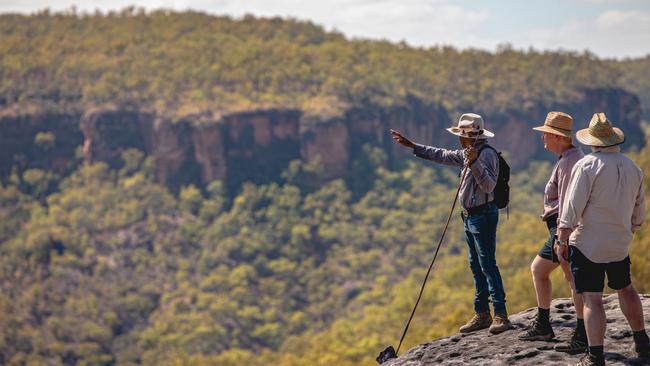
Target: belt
(475,210)
(551,220)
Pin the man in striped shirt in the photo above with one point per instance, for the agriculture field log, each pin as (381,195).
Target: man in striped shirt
(557,137)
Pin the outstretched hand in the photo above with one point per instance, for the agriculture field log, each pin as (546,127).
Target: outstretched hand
(399,138)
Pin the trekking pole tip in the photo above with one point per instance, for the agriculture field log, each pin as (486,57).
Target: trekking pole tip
(386,354)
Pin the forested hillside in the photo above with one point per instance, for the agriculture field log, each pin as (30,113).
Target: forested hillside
(105,263)
(192,63)
(113,269)
(635,74)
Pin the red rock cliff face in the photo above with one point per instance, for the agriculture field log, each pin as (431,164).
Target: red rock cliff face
(254,146)
(174,152)
(258,145)
(20,147)
(329,142)
(210,152)
(109,131)
(339,142)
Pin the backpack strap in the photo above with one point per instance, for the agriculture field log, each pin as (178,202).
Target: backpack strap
(487,146)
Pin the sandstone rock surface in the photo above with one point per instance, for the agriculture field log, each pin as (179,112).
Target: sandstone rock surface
(482,348)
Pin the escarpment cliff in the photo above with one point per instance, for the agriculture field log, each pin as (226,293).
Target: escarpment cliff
(258,145)
(38,140)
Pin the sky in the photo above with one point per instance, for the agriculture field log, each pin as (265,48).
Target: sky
(608,28)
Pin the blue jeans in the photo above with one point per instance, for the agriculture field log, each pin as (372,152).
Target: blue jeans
(481,233)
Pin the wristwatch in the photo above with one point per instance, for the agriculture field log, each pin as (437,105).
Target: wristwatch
(559,243)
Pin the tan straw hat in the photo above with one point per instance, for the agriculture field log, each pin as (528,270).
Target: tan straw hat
(557,123)
(600,132)
(470,125)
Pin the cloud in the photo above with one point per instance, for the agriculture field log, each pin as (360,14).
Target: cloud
(617,2)
(420,22)
(616,18)
(611,34)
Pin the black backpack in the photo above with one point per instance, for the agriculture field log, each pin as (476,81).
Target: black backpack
(502,189)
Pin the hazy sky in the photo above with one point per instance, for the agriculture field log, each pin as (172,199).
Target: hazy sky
(609,28)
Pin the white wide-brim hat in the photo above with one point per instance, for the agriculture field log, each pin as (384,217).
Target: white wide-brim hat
(470,125)
(600,132)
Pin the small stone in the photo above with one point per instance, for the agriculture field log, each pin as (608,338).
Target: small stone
(620,334)
(527,353)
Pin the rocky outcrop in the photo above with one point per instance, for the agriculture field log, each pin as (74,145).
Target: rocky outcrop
(482,348)
(39,140)
(109,131)
(339,142)
(253,146)
(258,145)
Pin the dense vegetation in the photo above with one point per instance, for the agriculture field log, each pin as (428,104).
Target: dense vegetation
(108,267)
(635,74)
(134,57)
(113,269)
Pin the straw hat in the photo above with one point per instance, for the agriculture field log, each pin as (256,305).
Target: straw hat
(470,125)
(600,132)
(557,123)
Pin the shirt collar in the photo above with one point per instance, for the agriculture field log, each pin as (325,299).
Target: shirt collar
(615,148)
(569,151)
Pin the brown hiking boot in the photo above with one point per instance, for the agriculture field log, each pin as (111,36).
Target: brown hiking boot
(478,322)
(500,324)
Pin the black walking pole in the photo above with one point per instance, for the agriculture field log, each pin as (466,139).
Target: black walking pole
(389,352)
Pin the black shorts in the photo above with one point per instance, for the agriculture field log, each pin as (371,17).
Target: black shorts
(590,277)
(547,251)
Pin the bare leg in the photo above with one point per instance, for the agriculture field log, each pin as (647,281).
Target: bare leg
(631,306)
(541,269)
(577,298)
(595,320)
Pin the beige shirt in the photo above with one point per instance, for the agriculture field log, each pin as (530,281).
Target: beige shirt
(605,203)
(557,184)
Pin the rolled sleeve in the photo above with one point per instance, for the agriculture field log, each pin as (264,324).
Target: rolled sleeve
(576,198)
(638,215)
(439,155)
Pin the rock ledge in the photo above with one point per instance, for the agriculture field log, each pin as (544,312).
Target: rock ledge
(482,348)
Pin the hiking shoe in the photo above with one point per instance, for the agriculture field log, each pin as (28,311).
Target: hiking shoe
(478,322)
(589,360)
(500,324)
(577,344)
(537,332)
